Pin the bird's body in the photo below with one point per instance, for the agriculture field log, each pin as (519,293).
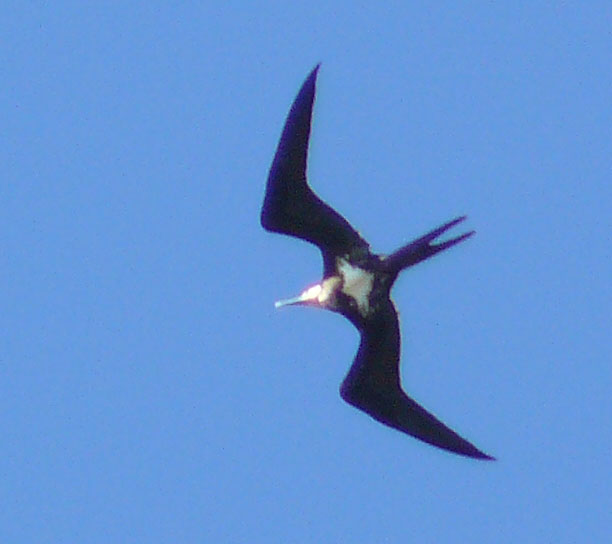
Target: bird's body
(356,283)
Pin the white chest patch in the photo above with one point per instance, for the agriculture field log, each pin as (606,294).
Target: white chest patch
(357,284)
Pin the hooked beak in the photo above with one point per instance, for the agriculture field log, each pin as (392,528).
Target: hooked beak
(305,297)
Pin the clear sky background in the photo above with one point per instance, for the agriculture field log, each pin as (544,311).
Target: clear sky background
(150,392)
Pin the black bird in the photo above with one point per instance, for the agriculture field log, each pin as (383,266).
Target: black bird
(356,283)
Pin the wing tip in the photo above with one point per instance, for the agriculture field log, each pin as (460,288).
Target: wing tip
(310,83)
(480,455)
(449,441)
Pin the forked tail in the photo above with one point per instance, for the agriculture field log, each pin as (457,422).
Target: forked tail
(423,248)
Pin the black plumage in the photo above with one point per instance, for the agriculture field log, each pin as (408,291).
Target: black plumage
(356,283)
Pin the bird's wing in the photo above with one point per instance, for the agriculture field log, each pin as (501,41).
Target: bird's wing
(373,385)
(290,206)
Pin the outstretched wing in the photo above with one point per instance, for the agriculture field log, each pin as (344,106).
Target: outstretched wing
(290,207)
(373,385)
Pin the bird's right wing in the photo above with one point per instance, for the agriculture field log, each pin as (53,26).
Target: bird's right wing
(373,385)
(290,206)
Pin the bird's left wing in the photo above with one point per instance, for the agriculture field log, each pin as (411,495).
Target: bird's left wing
(373,385)
(290,206)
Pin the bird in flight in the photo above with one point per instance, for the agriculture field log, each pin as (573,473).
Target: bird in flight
(356,283)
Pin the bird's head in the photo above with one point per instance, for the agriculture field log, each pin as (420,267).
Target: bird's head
(321,295)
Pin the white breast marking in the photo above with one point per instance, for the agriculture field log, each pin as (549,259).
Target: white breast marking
(357,284)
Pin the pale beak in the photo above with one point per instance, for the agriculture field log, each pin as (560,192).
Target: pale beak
(306,296)
(289,301)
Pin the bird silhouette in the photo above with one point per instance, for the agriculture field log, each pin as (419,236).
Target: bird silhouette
(356,283)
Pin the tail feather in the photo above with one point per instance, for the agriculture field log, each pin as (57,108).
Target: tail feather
(423,248)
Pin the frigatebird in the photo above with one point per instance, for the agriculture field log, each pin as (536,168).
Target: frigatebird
(356,283)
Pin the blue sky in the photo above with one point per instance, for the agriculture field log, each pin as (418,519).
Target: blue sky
(150,392)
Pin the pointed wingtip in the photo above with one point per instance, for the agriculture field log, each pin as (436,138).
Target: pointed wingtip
(314,73)
(394,408)
(461,447)
(481,456)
